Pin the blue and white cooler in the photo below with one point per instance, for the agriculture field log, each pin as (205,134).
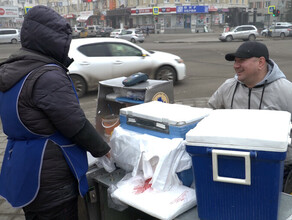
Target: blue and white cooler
(162,119)
(238,159)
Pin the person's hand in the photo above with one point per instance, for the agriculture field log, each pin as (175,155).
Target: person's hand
(108,155)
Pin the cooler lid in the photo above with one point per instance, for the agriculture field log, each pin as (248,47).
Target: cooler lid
(172,114)
(266,130)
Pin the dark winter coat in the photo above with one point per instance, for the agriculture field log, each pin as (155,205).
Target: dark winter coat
(47,101)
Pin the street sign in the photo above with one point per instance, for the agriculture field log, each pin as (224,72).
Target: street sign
(155,10)
(271,8)
(26,9)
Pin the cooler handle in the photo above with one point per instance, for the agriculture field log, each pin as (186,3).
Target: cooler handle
(216,177)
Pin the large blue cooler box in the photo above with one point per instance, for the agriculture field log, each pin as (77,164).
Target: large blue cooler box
(162,119)
(238,159)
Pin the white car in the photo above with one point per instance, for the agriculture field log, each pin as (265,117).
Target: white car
(97,59)
(115,33)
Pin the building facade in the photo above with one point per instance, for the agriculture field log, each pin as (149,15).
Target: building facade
(158,15)
(263,11)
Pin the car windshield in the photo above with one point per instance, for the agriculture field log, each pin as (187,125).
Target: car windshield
(138,32)
(232,29)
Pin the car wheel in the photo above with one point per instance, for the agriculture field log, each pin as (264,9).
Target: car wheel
(79,84)
(166,73)
(251,37)
(282,35)
(133,40)
(264,35)
(141,41)
(14,41)
(229,38)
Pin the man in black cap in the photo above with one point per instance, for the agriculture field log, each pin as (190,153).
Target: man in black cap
(258,84)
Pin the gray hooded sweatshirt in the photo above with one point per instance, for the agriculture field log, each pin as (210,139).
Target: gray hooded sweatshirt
(274,92)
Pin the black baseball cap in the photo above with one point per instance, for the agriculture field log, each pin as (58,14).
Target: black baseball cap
(249,49)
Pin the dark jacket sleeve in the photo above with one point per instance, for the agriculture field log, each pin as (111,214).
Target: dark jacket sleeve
(54,95)
(88,138)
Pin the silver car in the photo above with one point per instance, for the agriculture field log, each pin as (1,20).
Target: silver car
(243,32)
(9,36)
(265,32)
(76,31)
(133,35)
(279,31)
(92,30)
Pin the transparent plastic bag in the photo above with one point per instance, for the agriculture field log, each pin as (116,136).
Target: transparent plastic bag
(115,203)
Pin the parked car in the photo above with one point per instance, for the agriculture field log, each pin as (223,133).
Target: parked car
(290,32)
(92,30)
(282,23)
(243,32)
(265,32)
(83,33)
(76,31)
(116,32)
(133,35)
(9,35)
(279,31)
(106,31)
(97,59)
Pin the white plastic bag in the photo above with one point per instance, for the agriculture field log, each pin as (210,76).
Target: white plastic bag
(152,156)
(166,205)
(101,162)
(122,156)
(185,161)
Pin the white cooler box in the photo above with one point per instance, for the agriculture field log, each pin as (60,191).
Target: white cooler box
(238,159)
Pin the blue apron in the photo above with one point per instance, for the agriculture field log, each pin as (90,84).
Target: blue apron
(22,162)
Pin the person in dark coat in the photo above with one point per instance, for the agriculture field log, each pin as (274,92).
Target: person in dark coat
(45,162)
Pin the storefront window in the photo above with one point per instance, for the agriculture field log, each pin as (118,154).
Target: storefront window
(187,21)
(216,19)
(179,21)
(200,20)
(167,21)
